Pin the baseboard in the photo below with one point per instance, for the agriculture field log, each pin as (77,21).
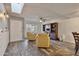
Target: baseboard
(17,41)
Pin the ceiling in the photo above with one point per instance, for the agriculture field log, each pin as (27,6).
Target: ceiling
(46,10)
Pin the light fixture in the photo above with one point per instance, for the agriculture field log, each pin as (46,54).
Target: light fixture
(7,16)
(1,15)
(40,20)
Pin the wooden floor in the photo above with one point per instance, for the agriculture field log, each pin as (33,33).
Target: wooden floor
(28,48)
(23,48)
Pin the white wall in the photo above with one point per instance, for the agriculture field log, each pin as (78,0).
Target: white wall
(4,40)
(4,33)
(66,27)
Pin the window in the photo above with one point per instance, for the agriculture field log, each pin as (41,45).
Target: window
(31,28)
(17,7)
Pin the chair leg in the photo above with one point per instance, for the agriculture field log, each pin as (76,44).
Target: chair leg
(76,50)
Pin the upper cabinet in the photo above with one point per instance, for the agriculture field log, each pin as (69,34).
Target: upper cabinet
(52,29)
(2,9)
(3,19)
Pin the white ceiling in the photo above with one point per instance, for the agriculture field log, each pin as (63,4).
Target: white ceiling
(47,10)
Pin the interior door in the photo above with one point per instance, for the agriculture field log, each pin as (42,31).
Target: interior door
(16,30)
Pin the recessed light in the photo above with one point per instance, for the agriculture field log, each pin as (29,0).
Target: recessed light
(40,20)
(1,15)
(7,16)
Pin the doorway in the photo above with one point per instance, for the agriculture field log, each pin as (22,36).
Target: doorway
(16,30)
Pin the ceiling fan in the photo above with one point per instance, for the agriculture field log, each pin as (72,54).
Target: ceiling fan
(42,19)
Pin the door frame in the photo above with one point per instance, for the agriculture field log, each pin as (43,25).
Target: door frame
(19,19)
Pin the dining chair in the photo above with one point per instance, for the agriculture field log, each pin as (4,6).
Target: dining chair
(76,38)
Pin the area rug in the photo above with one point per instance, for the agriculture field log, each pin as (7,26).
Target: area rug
(57,51)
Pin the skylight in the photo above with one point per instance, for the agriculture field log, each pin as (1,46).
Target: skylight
(17,7)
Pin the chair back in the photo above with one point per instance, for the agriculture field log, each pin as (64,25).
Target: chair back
(31,36)
(76,37)
(43,36)
(43,40)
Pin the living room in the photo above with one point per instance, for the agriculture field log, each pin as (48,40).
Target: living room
(24,32)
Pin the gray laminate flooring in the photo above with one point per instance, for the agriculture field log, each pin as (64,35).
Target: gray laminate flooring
(28,48)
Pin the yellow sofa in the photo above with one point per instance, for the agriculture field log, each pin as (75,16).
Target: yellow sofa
(43,40)
(31,36)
